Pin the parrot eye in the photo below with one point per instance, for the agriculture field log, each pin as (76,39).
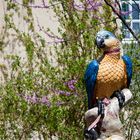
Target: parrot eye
(107,36)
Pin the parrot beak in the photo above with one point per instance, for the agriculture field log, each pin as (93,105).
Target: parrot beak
(100,42)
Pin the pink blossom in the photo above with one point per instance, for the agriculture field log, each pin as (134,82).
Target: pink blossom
(34,99)
(71,85)
(89,5)
(45,101)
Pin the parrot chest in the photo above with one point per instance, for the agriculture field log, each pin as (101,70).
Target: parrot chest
(111,77)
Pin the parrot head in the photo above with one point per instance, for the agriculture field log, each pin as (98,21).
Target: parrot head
(107,41)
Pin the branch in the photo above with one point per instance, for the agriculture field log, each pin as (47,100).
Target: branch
(123,20)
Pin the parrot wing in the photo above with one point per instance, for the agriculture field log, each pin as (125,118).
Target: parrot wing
(128,64)
(90,79)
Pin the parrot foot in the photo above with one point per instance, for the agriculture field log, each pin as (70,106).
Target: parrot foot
(94,132)
(91,134)
(120,96)
(101,108)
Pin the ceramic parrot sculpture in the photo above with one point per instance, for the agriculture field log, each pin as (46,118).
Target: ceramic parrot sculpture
(112,72)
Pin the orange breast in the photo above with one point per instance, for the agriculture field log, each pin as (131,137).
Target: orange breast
(111,76)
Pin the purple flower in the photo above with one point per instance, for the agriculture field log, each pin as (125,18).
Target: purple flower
(34,99)
(61,92)
(64,93)
(90,5)
(126,13)
(79,7)
(45,101)
(70,84)
(27,98)
(94,7)
(67,93)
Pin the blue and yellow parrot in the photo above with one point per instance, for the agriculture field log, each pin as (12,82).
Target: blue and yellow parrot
(112,72)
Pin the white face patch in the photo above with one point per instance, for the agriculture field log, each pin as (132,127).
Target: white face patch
(112,43)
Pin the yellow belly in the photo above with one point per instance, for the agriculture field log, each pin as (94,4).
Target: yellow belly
(111,77)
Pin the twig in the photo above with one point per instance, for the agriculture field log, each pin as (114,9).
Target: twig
(118,3)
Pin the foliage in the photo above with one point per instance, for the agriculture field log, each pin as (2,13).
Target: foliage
(45,92)
(132,116)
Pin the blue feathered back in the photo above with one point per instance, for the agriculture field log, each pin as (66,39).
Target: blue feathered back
(128,63)
(90,79)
